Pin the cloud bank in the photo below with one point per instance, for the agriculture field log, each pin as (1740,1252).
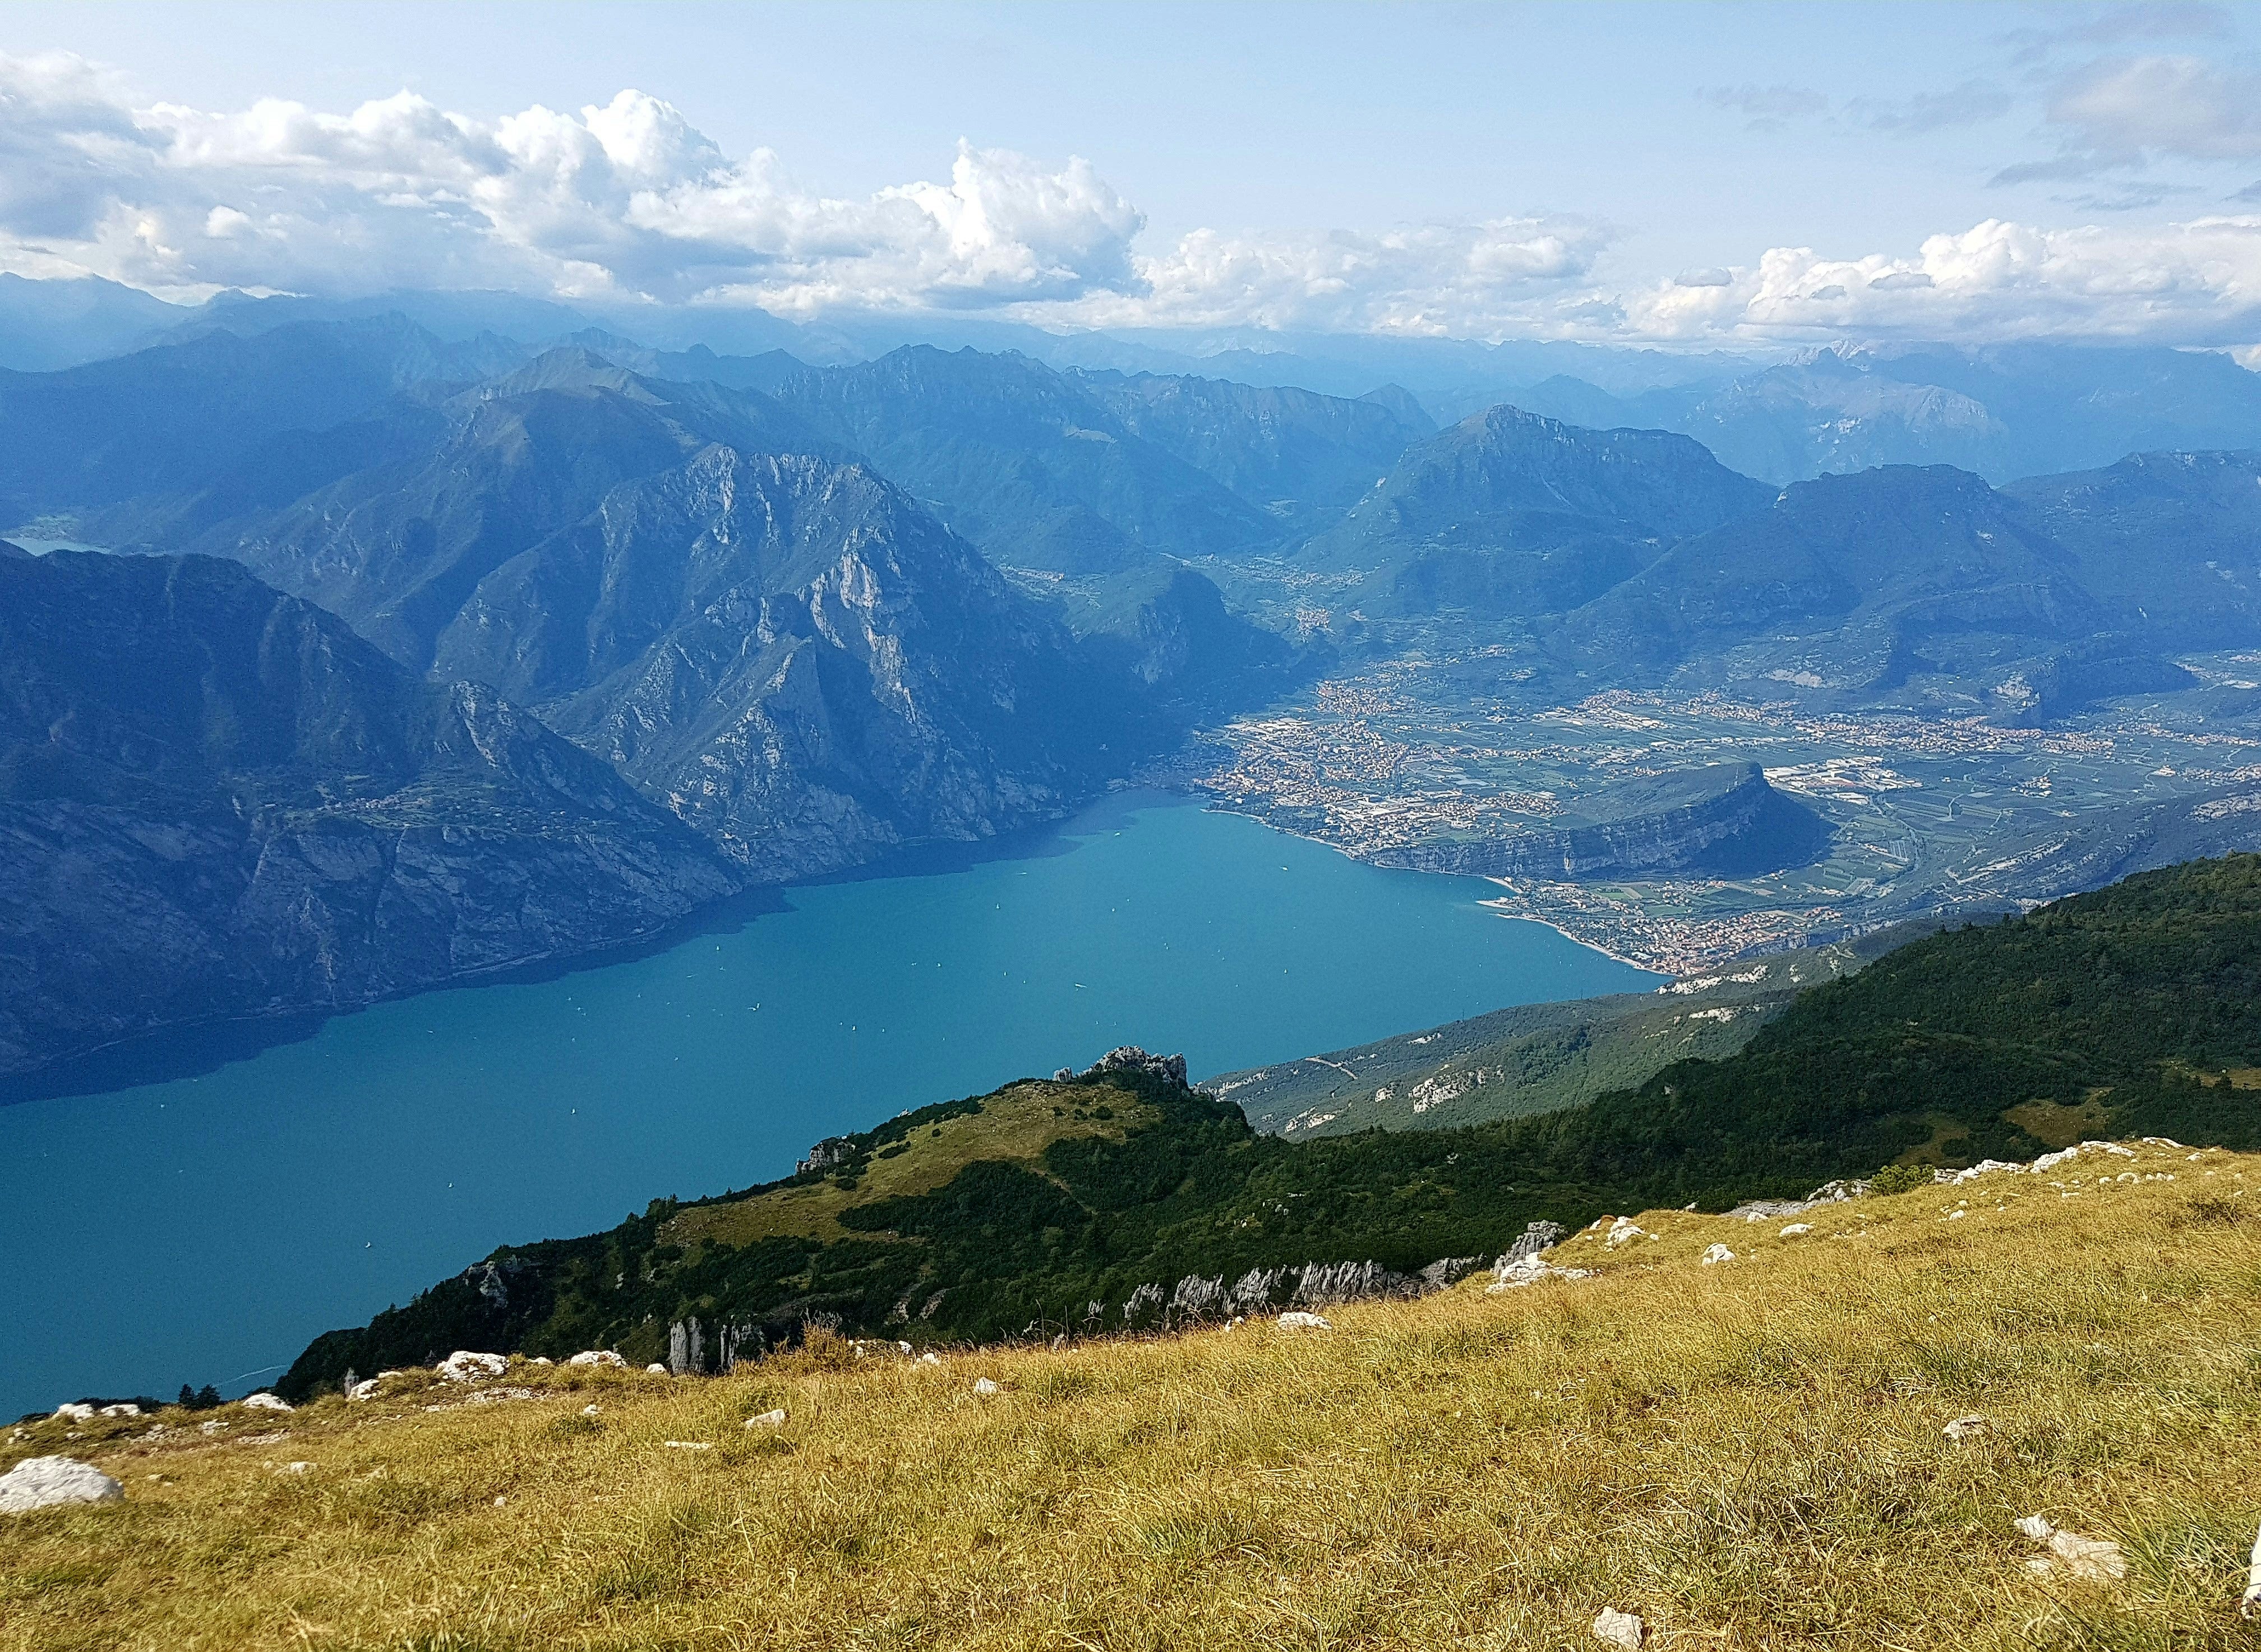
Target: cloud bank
(628,204)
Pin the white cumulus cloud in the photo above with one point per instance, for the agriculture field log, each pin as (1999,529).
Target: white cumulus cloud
(625,199)
(627,202)
(2193,282)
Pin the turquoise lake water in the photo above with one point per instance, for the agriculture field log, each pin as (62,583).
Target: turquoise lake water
(202,1229)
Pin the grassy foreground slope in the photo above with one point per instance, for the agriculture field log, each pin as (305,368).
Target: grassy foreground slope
(1089,1206)
(1748,1455)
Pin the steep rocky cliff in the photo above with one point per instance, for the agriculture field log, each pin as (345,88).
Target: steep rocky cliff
(798,662)
(782,647)
(1666,824)
(216,800)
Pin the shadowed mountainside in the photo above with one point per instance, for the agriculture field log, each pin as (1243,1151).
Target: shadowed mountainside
(216,800)
(1507,513)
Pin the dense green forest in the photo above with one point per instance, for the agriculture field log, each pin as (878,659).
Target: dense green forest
(1084,1205)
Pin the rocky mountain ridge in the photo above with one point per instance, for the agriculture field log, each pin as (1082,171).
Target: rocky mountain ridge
(216,800)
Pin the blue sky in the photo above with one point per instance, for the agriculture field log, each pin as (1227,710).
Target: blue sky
(1488,171)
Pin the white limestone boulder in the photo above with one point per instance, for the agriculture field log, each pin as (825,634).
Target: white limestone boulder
(47,1483)
(1625,1629)
(463,1366)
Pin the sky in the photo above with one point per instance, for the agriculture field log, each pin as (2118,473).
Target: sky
(1690,174)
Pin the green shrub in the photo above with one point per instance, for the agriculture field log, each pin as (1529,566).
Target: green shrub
(1901,1178)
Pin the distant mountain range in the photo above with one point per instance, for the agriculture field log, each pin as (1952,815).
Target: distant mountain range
(1510,514)
(815,609)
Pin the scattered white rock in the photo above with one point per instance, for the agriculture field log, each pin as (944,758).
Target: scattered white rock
(263,1401)
(599,1356)
(365,1389)
(1966,1427)
(1512,1272)
(1623,1231)
(768,1419)
(1795,1228)
(1298,1320)
(1715,1253)
(125,1410)
(655,1369)
(983,1385)
(500,1502)
(492,1396)
(1617,1629)
(463,1366)
(46,1482)
(686,1444)
(929,1357)
(211,1427)
(2093,1559)
(536,1359)
(2252,1599)
(590,1409)
(297,1468)
(77,1413)
(1983,1168)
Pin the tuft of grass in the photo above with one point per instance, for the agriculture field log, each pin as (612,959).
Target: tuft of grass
(1750,1453)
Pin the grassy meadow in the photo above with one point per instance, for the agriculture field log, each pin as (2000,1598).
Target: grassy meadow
(1749,1454)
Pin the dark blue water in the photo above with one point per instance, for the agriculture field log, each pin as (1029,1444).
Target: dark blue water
(203,1229)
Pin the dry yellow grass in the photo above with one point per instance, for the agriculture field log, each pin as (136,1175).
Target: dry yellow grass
(1016,1125)
(1749,1454)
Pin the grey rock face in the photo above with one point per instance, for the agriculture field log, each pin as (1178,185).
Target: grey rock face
(688,1347)
(824,673)
(45,1482)
(1539,1236)
(783,649)
(833,1150)
(1194,1298)
(1130,1059)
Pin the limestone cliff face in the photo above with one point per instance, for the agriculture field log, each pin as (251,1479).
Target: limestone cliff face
(1665,825)
(767,638)
(215,800)
(797,661)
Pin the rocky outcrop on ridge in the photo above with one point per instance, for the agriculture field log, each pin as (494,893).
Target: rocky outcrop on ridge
(1666,824)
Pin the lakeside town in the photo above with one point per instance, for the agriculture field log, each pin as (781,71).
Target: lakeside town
(1925,815)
